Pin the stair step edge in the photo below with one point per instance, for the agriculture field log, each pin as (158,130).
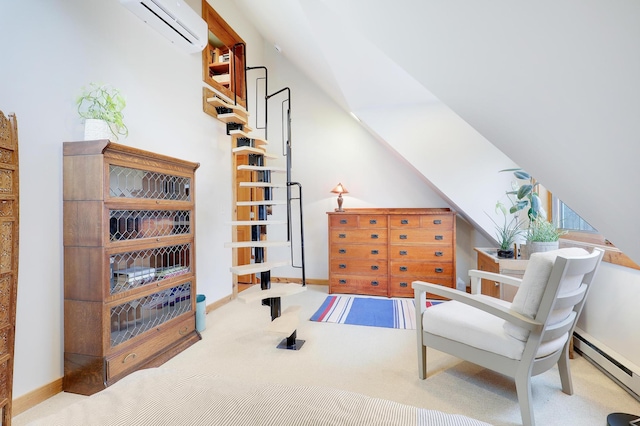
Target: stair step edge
(254,268)
(277,290)
(243,244)
(262,203)
(286,323)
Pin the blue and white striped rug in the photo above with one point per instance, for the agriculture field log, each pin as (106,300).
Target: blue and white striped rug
(390,313)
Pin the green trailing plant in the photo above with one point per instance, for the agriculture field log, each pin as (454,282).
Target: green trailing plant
(541,230)
(103,102)
(508,231)
(526,195)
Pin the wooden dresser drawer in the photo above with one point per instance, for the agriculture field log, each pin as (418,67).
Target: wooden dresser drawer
(421,269)
(359,284)
(431,253)
(437,221)
(358,221)
(421,236)
(359,266)
(373,221)
(358,251)
(405,221)
(368,236)
(401,287)
(343,221)
(160,338)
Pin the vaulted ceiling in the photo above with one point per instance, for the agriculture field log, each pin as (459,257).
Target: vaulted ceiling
(551,86)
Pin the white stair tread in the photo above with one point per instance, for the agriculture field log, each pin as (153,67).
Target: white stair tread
(216,101)
(262,203)
(243,244)
(286,323)
(258,222)
(232,117)
(254,268)
(252,150)
(244,134)
(263,184)
(261,168)
(255,293)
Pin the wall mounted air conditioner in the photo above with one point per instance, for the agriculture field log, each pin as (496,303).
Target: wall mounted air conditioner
(174,19)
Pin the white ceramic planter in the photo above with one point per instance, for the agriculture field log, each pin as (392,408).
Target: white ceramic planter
(539,246)
(97,129)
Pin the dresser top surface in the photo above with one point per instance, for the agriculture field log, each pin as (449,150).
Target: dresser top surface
(404,211)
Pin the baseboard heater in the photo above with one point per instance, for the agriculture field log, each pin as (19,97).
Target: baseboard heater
(613,365)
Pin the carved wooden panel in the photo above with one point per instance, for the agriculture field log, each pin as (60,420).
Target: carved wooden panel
(9,211)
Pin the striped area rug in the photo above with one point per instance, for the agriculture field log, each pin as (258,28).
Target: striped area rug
(390,313)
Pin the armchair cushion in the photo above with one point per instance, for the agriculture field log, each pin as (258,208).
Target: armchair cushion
(529,295)
(477,328)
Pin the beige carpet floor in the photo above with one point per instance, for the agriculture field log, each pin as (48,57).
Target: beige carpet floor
(382,363)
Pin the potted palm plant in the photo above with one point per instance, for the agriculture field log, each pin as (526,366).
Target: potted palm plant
(101,106)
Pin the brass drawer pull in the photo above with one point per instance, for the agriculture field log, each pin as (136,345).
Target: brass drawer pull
(403,236)
(375,252)
(374,236)
(403,268)
(404,221)
(131,356)
(183,330)
(439,253)
(343,221)
(342,281)
(403,252)
(439,237)
(374,267)
(439,270)
(374,283)
(437,222)
(342,251)
(373,221)
(342,266)
(342,235)
(404,285)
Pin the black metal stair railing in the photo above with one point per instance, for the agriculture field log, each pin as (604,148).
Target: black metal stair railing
(286,152)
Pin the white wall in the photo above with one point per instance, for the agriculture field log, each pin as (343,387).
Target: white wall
(330,146)
(50,54)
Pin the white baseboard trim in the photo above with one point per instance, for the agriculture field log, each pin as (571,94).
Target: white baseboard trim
(618,368)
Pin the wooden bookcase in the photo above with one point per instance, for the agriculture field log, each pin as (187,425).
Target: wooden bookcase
(381,251)
(129,262)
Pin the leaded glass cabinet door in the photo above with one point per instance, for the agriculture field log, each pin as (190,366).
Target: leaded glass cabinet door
(129,261)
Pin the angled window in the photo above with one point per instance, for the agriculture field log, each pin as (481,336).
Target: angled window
(565,218)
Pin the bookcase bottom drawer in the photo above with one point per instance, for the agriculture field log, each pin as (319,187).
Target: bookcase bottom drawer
(162,337)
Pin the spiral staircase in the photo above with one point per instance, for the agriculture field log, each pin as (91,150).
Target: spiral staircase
(257,188)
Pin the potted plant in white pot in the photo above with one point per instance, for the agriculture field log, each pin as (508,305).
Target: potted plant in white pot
(542,235)
(101,106)
(507,232)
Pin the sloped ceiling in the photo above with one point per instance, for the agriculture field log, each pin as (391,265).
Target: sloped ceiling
(551,86)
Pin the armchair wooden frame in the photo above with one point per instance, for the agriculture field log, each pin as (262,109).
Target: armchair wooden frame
(540,327)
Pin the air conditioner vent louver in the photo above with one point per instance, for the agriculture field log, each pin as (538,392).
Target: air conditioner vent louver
(173,19)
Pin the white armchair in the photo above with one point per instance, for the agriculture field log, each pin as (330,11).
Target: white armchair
(519,339)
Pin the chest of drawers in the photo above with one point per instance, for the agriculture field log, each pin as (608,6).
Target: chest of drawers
(381,251)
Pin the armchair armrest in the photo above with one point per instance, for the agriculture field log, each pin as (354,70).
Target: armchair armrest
(484,303)
(476,275)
